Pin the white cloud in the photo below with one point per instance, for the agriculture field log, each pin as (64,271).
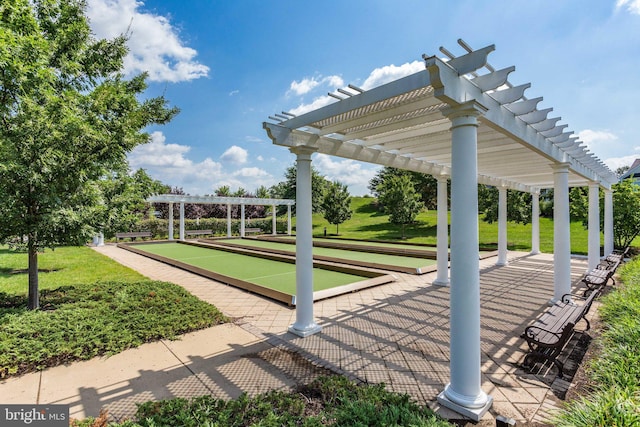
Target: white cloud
(234,92)
(389,73)
(158,154)
(593,138)
(306,85)
(632,6)
(253,139)
(252,172)
(333,81)
(154,44)
(377,77)
(317,103)
(168,163)
(347,171)
(618,162)
(260,158)
(303,86)
(235,154)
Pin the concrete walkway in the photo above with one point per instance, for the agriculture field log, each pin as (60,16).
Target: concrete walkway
(396,333)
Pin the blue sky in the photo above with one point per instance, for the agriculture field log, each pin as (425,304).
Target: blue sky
(228,65)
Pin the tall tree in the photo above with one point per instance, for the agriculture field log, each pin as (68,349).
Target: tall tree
(400,200)
(626,212)
(518,205)
(67,117)
(123,199)
(287,189)
(336,206)
(425,185)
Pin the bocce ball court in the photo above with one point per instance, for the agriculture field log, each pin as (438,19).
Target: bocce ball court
(270,275)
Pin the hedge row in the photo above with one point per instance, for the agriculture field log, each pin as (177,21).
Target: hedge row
(159,227)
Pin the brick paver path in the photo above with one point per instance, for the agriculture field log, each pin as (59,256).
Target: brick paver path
(399,333)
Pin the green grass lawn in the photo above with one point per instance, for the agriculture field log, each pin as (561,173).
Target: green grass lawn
(90,306)
(369,223)
(613,397)
(62,266)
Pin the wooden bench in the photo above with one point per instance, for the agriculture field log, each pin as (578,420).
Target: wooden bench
(550,333)
(133,235)
(597,278)
(604,271)
(252,230)
(198,232)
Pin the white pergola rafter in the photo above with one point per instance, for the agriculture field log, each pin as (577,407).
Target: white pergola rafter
(451,121)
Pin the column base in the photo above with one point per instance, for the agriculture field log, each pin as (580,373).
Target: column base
(534,252)
(306,330)
(502,263)
(475,413)
(440,282)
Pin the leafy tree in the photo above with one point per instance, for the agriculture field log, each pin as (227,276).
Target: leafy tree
(518,205)
(223,191)
(262,192)
(287,189)
(123,199)
(336,205)
(399,199)
(622,170)
(425,185)
(67,118)
(626,212)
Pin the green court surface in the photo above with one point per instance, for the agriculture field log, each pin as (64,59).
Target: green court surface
(345,254)
(271,274)
(389,245)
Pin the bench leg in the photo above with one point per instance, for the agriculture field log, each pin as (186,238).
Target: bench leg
(540,356)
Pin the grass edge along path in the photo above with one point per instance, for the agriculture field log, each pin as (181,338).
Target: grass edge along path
(81,320)
(614,374)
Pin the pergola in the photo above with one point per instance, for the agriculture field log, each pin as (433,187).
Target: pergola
(229,201)
(458,119)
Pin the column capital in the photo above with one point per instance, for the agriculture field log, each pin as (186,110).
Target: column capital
(303,151)
(441,177)
(594,184)
(561,167)
(467,109)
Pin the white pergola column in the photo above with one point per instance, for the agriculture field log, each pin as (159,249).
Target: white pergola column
(181,220)
(242,225)
(608,221)
(464,394)
(170,231)
(535,222)
(289,220)
(502,226)
(228,219)
(274,230)
(304,324)
(561,233)
(442,278)
(594,225)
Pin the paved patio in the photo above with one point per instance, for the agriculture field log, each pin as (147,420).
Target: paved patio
(396,333)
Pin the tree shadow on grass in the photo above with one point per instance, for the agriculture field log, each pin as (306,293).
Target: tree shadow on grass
(388,231)
(371,209)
